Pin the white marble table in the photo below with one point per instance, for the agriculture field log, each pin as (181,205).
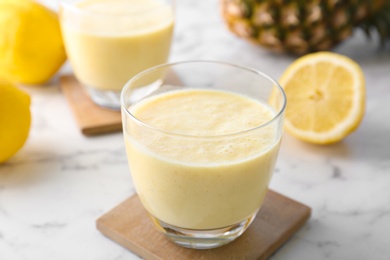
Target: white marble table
(55,188)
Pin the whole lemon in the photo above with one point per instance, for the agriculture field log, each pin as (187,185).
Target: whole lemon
(31,45)
(15,119)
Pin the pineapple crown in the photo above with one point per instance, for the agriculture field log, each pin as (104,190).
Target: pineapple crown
(380,22)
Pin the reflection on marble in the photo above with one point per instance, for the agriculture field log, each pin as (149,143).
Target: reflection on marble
(55,188)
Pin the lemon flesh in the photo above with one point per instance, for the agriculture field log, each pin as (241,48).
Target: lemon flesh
(31,45)
(325,97)
(15,119)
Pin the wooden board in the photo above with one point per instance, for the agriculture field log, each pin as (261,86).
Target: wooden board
(91,118)
(279,218)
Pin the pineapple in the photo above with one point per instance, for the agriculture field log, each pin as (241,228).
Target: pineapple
(299,26)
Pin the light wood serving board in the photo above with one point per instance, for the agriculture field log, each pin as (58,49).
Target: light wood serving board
(279,218)
(91,118)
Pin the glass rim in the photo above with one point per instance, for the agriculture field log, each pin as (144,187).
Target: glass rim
(72,6)
(172,64)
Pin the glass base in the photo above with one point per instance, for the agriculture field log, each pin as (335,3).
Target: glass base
(105,98)
(203,239)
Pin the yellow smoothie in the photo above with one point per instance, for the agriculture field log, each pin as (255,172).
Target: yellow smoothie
(192,181)
(110,41)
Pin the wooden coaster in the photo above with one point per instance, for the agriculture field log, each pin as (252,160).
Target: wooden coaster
(278,219)
(92,119)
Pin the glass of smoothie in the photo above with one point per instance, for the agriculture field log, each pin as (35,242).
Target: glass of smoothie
(202,138)
(109,41)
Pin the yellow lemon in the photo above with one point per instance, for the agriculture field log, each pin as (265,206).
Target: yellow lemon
(31,45)
(325,97)
(15,119)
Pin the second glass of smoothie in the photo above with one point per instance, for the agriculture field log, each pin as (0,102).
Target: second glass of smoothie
(202,139)
(109,41)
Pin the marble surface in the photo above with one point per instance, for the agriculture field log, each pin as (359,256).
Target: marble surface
(55,188)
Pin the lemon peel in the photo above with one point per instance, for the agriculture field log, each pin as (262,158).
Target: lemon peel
(15,119)
(31,45)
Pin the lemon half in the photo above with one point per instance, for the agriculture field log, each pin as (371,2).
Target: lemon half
(325,97)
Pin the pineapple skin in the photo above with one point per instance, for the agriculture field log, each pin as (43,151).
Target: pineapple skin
(297,26)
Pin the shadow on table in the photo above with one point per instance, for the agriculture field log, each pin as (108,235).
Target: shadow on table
(369,143)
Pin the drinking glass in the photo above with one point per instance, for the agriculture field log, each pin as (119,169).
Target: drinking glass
(109,41)
(202,188)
